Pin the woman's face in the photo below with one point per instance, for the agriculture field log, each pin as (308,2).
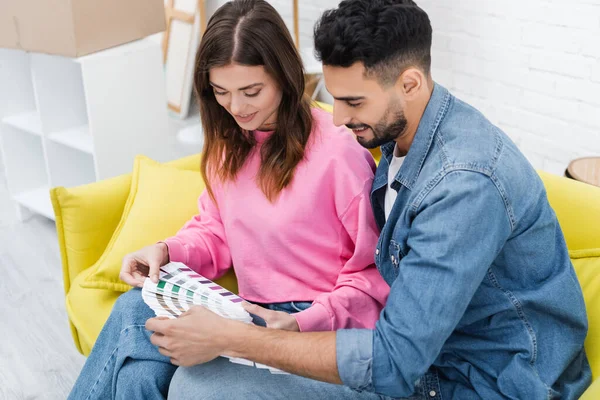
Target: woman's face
(249,94)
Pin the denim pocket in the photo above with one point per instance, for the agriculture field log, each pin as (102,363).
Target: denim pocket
(289,307)
(395,252)
(377,255)
(300,305)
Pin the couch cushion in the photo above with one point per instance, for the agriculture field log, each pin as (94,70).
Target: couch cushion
(587,266)
(593,392)
(161,200)
(81,237)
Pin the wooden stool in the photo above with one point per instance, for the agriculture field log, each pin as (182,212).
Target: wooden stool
(585,170)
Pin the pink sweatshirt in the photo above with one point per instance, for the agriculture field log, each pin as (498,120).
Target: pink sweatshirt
(315,243)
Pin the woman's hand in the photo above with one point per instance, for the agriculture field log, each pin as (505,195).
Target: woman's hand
(146,262)
(274,319)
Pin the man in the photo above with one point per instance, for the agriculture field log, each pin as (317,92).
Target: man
(484,301)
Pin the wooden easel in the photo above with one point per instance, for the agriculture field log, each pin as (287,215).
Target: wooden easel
(172,13)
(296,24)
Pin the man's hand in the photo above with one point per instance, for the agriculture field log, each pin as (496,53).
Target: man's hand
(196,337)
(199,336)
(274,319)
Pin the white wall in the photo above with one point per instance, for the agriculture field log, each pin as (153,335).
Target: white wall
(309,12)
(532,67)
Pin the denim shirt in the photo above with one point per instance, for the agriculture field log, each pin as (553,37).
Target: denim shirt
(484,301)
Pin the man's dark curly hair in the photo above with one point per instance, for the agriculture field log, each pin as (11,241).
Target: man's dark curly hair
(387,36)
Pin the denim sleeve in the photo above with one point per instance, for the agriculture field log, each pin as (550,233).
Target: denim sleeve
(455,234)
(354,353)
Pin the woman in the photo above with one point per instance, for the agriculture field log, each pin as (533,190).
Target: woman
(287,203)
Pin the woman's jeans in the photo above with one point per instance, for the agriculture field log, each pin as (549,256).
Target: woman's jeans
(124,364)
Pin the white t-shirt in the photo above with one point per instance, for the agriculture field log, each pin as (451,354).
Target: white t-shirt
(391,194)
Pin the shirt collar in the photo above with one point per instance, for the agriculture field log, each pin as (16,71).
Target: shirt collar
(432,116)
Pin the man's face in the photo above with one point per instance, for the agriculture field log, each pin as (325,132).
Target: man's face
(374,113)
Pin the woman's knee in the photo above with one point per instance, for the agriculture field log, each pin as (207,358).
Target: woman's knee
(129,299)
(143,379)
(131,306)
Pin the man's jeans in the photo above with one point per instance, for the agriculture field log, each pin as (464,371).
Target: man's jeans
(221,379)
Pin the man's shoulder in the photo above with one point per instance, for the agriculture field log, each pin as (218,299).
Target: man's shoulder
(466,139)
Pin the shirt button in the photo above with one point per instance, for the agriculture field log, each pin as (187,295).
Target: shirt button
(393,259)
(377,251)
(432,393)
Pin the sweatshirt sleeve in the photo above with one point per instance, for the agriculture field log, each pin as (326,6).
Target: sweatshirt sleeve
(360,292)
(201,244)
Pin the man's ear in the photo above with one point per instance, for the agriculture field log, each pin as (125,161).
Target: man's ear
(410,82)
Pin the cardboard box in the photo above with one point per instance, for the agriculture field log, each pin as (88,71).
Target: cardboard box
(75,28)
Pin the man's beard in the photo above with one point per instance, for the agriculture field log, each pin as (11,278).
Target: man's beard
(383,132)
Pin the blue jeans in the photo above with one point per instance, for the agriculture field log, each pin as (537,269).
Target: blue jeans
(221,379)
(124,365)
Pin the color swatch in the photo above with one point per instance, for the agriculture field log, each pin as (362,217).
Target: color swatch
(179,288)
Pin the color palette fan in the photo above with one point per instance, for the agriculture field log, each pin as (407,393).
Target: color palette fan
(179,288)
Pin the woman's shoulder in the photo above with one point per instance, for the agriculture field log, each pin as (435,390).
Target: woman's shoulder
(323,121)
(334,139)
(336,145)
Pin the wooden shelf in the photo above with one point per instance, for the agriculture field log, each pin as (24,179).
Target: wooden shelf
(28,121)
(78,138)
(72,121)
(37,200)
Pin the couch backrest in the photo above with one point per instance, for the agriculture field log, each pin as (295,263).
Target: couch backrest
(577,206)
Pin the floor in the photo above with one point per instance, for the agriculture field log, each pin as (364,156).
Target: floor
(37,357)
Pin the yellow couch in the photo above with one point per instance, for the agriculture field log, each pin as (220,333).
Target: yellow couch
(87,216)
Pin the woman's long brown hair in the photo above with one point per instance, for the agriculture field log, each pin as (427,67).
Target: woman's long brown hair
(251,32)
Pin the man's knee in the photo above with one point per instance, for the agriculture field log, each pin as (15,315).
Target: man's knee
(188,384)
(221,379)
(218,379)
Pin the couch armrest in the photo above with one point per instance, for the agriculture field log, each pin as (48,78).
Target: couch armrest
(87,216)
(593,392)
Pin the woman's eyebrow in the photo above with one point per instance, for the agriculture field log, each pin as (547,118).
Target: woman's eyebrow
(243,88)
